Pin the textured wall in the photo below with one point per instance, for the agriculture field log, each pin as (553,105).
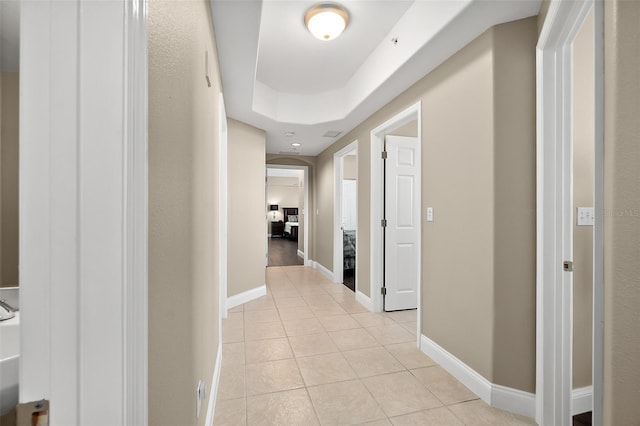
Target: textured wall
(515,204)
(478,124)
(183,209)
(246,205)
(622,213)
(583,174)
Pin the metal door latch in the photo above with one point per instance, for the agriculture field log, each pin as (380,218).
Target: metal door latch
(567,265)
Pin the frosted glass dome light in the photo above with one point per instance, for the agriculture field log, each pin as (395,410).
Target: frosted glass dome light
(326,21)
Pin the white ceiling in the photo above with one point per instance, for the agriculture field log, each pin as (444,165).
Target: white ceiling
(281,46)
(279,78)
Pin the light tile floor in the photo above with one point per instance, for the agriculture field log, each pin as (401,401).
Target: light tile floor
(308,354)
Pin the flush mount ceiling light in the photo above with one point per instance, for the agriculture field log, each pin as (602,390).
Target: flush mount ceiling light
(326,21)
(296,144)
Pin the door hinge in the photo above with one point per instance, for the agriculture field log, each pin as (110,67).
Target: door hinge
(383,291)
(383,223)
(384,155)
(567,265)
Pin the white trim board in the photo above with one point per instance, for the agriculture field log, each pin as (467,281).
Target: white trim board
(215,382)
(364,300)
(581,400)
(300,254)
(246,296)
(498,396)
(83,228)
(326,272)
(504,398)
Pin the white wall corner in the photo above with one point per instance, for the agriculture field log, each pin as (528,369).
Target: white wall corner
(504,398)
(326,272)
(301,254)
(246,296)
(215,381)
(581,400)
(364,300)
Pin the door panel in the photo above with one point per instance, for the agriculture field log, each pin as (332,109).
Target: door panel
(402,233)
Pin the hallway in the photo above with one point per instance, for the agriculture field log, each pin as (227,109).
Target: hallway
(307,353)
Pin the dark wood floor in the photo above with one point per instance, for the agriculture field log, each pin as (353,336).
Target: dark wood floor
(349,279)
(583,419)
(283,252)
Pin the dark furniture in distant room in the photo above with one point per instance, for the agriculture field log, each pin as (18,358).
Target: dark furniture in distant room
(277,229)
(291,222)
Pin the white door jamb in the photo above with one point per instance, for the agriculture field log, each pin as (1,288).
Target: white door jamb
(338,176)
(554,121)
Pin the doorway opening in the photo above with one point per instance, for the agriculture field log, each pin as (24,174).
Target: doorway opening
(345,215)
(287,198)
(569,366)
(395,214)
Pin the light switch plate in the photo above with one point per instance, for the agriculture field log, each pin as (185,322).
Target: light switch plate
(586,216)
(429,214)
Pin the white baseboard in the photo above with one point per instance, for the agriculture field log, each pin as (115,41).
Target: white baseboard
(215,381)
(581,400)
(326,272)
(268,235)
(513,400)
(509,399)
(364,300)
(310,263)
(301,254)
(246,296)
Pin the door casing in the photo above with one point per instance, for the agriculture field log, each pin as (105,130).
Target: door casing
(554,139)
(374,301)
(338,175)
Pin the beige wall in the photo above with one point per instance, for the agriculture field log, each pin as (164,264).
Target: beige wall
(410,129)
(622,213)
(515,204)
(9,179)
(183,215)
(246,207)
(583,175)
(478,125)
(310,162)
(350,168)
(458,163)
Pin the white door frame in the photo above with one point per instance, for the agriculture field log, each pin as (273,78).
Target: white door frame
(84,209)
(305,169)
(338,176)
(554,182)
(414,112)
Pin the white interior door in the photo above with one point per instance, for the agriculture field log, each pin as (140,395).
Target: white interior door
(402,213)
(349,205)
